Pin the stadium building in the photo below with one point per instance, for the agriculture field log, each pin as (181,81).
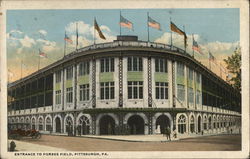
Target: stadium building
(124,87)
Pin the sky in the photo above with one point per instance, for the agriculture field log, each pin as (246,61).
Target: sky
(215,30)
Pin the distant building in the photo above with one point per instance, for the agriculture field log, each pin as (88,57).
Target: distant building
(124,87)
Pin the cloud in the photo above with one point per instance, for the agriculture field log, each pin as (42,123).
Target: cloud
(86,32)
(217,48)
(43,32)
(27,41)
(46,45)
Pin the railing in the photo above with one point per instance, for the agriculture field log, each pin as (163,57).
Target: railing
(141,44)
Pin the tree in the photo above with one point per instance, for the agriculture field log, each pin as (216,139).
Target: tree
(234,66)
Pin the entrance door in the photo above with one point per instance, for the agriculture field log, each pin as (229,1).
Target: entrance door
(199,124)
(58,125)
(164,122)
(107,125)
(136,125)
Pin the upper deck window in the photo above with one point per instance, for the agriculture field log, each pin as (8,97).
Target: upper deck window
(180,69)
(107,65)
(135,64)
(161,65)
(58,76)
(69,73)
(84,68)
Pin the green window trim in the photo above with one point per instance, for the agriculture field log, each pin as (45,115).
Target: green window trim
(69,83)
(161,77)
(106,77)
(181,80)
(83,79)
(135,76)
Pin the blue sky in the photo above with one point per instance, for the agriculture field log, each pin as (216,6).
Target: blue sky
(215,30)
(212,24)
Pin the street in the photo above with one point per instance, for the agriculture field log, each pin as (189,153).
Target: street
(204,143)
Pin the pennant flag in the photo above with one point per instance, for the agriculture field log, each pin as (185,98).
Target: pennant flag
(211,57)
(66,38)
(174,28)
(152,23)
(42,54)
(10,73)
(76,35)
(196,46)
(97,28)
(125,23)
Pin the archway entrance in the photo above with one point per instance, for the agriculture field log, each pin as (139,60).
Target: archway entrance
(136,124)
(162,122)
(58,125)
(199,124)
(107,125)
(84,126)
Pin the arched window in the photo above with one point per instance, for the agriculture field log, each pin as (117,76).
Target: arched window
(214,123)
(33,121)
(48,124)
(69,124)
(192,126)
(210,122)
(205,123)
(40,122)
(182,124)
(83,127)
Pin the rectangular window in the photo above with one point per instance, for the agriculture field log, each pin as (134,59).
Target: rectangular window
(58,76)
(58,97)
(107,65)
(180,69)
(135,90)
(161,90)
(198,97)
(84,92)
(190,74)
(190,95)
(161,65)
(107,90)
(69,95)
(84,68)
(181,92)
(135,64)
(198,78)
(69,73)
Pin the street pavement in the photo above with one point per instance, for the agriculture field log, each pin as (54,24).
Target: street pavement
(131,143)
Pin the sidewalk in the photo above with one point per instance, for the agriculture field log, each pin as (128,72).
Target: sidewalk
(144,138)
(24,146)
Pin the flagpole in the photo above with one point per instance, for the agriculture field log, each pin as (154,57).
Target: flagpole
(120,23)
(76,35)
(39,60)
(184,37)
(209,60)
(64,45)
(148,26)
(193,44)
(171,40)
(220,71)
(21,69)
(94,30)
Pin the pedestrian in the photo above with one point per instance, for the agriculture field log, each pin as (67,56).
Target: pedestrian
(67,129)
(174,134)
(168,133)
(12,146)
(79,130)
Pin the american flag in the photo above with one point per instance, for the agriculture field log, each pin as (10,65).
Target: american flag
(42,54)
(211,57)
(125,23)
(196,46)
(66,38)
(154,24)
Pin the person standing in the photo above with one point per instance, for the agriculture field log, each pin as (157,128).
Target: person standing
(168,133)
